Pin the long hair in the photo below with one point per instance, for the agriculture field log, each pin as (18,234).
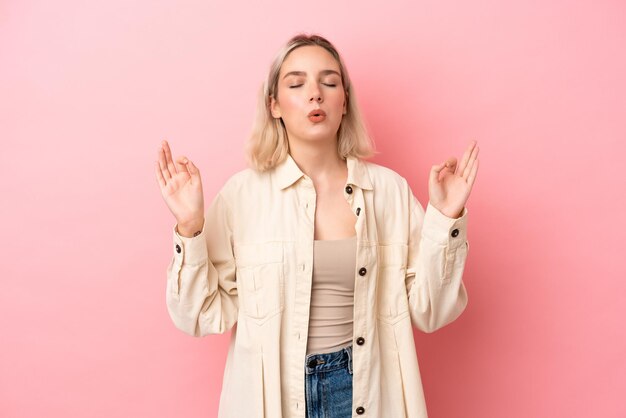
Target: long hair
(267,144)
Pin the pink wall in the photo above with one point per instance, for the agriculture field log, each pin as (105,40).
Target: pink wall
(88,89)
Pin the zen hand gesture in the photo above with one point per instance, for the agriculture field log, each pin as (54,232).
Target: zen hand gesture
(181,188)
(449,186)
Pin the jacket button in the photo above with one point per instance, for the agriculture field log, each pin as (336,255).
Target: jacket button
(455,232)
(312,363)
(358,210)
(178,250)
(362,271)
(360,410)
(360,341)
(348,189)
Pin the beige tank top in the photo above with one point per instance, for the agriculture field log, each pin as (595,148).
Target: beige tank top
(332,295)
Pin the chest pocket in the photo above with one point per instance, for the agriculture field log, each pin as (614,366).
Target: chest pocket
(260,279)
(393,302)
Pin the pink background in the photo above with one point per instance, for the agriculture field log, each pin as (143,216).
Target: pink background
(88,89)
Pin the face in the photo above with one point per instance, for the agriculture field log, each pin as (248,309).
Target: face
(310,79)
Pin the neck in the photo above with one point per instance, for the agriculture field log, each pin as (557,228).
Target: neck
(319,161)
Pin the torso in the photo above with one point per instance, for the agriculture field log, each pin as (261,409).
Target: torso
(334,218)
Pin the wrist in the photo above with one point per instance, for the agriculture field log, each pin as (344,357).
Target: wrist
(190,229)
(447,212)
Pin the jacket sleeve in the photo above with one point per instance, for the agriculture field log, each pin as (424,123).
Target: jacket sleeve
(437,252)
(201,292)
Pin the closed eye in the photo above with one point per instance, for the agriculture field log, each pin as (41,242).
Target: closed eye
(298,85)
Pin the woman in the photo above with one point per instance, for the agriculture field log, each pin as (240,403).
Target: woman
(313,248)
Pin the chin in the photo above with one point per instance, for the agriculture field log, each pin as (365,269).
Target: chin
(320,136)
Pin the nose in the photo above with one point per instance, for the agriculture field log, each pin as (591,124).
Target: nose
(316,94)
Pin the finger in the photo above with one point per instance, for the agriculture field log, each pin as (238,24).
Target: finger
(159,175)
(468,168)
(193,170)
(163,164)
(195,173)
(472,175)
(450,164)
(181,164)
(466,157)
(472,159)
(168,158)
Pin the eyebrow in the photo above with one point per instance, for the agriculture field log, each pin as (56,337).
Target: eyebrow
(323,72)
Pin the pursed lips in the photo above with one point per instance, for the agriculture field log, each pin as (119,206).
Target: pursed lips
(317,112)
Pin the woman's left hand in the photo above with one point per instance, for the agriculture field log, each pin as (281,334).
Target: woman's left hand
(449,186)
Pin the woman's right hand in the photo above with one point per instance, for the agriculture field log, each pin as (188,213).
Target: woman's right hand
(181,188)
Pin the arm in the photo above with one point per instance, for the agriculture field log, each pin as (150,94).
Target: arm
(437,252)
(201,293)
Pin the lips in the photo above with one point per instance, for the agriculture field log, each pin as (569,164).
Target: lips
(317,112)
(317,115)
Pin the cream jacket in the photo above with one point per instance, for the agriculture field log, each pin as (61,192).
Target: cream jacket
(250,271)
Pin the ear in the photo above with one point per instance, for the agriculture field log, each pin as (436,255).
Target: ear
(274,108)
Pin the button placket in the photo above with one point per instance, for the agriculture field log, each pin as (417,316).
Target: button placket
(366,257)
(304,245)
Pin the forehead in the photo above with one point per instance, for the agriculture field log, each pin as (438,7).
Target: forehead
(310,59)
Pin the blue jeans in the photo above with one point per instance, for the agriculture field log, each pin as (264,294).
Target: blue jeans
(328,384)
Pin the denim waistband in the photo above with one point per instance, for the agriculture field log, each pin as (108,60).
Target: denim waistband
(325,362)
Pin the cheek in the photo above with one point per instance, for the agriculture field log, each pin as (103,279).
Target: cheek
(337,99)
(290,103)
(295,105)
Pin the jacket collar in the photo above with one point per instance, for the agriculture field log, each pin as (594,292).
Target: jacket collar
(287,172)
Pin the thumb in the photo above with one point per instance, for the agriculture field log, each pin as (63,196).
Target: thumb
(435,170)
(193,171)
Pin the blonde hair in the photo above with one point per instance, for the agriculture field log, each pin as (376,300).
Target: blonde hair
(267,144)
